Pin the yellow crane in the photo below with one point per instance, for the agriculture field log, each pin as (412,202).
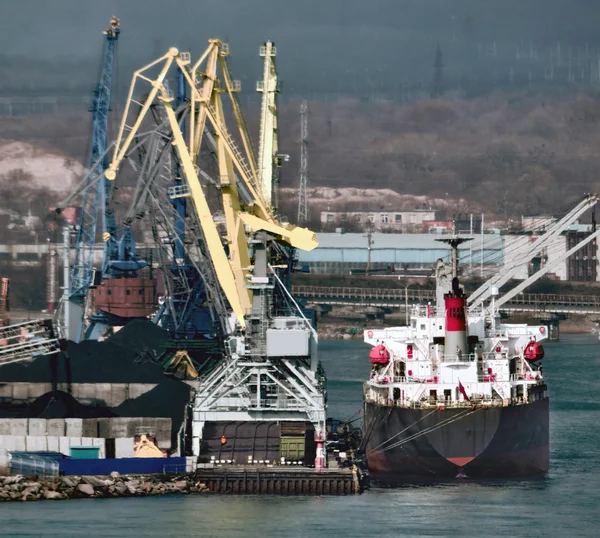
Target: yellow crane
(206,89)
(268,144)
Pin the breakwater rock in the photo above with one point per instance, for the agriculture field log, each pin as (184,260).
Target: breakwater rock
(20,488)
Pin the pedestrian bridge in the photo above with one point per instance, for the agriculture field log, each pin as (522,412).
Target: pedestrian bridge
(401,297)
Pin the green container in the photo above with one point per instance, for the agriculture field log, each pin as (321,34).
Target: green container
(85,452)
(292,447)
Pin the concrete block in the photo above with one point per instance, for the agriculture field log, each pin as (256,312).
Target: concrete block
(87,441)
(119,427)
(37,427)
(38,389)
(74,427)
(7,442)
(18,426)
(35,443)
(89,427)
(163,425)
(104,429)
(5,426)
(137,389)
(21,391)
(63,445)
(119,392)
(190,464)
(87,392)
(145,425)
(163,442)
(56,427)
(124,447)
(103,394)
(102,444)
(6,391)
(53,443)
(19,442)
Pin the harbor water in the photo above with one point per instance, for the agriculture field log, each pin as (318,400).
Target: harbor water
(564,504)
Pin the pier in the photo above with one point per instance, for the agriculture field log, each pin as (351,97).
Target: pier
(280,481)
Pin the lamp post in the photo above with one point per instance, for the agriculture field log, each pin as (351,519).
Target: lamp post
(406,286)
(370,242)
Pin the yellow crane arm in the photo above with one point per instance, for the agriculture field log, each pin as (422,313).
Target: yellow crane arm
(294,235)
(217,253)
(121,147)
(202,98)
(213,240)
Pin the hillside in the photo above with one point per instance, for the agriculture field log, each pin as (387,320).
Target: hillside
(506,154)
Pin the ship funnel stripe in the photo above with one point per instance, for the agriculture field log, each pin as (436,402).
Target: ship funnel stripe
(455,314)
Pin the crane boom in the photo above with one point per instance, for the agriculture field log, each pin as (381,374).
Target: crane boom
(499,279)
(518,289)
(82,271)
(267,147)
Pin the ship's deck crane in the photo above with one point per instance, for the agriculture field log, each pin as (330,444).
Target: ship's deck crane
(490,289)
(485,291)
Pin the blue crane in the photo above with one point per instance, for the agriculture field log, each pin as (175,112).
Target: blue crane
(97,195)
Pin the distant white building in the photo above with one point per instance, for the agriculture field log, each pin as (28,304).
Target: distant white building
(405,221)
(536,223)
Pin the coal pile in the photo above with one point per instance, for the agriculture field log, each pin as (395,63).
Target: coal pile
(60,404)
(122,358)
(126,357)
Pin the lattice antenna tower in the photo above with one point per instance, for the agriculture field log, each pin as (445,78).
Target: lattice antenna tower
(302,198)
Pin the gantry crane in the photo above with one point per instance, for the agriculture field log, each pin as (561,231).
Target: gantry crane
(268,368)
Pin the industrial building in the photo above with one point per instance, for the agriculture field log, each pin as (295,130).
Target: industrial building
(342,253)
(345,253)
(405,221)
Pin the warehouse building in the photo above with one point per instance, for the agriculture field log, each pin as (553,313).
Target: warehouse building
(416,254)
(344,253)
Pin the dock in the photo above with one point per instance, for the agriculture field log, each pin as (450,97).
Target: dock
(280,480)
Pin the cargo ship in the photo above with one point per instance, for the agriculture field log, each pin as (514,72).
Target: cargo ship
(456,394)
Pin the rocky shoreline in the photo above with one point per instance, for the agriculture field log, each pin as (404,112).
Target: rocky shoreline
(20,488)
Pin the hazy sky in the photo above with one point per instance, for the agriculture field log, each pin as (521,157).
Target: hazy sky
(324,27)
(315,38)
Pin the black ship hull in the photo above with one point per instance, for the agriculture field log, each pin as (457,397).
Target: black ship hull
(406,445)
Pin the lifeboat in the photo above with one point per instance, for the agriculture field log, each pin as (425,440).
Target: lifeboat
(379,355)
(534,352)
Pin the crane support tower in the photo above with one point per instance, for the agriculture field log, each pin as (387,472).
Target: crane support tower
(267,372)
(302,195)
